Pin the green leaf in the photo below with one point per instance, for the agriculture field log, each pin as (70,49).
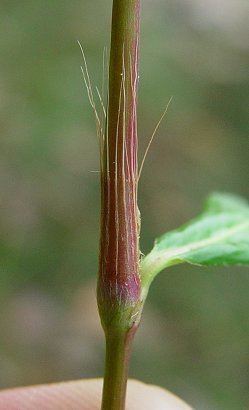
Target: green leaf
(219,236)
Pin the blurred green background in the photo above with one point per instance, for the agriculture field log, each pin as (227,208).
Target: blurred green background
(194,336)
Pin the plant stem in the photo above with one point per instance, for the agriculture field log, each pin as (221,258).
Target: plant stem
(118,349)
(119,247)
(119,284)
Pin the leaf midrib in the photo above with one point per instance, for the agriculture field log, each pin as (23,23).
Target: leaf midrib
(160,258)
(204,242)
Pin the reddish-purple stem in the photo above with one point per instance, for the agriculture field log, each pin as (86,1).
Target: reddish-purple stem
(119,280)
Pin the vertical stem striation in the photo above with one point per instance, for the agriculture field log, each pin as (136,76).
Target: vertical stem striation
(119,281)
(119,288)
